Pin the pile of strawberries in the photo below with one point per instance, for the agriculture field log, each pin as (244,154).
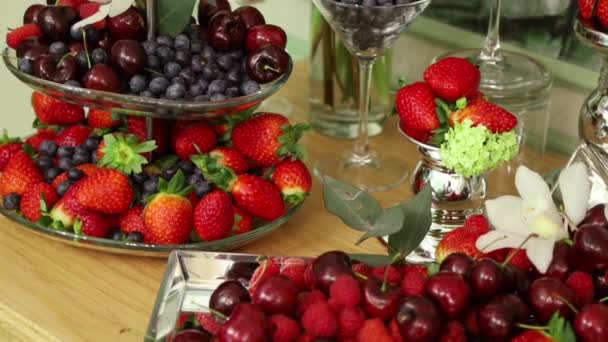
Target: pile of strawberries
(448,96)
(95,174)
(594,13)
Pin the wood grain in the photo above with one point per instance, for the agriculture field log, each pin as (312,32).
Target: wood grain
(54,292)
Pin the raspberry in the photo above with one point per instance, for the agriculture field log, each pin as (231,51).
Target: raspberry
(455,333)
(350,321)
(393,327)
(582,285)
(414,277)
(344,292)
(363,269)
(267,269)
(393,277)
(520,259)
(307,299)
(320,320)
(309,278)
(207,321)
(373,330)
(293,268)
(183,318)
(283,328)
(477,224)
(498,255)
(305,338)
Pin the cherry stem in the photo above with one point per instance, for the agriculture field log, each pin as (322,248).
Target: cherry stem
(398,256)
(519,248)
(86,50)
(487,246)
(567,302)
(532,327)
(603,300)
(211,311)
(264,267)
(152,71)
(363,277)
(268,67)
(64,57)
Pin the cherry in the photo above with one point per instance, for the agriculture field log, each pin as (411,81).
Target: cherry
(591,247)
(451,292)
(516,280)
(241,271)
(380,300)
(265,34)
(208,8)
(129,56)
(329,266)
(31,14)
(601,283)
(250,17)
(486,279)
(56,68)
(226,31)
(105,42)
(560,264)
(495,320)
(267,64)
(76,47)
(191,335)
(591,323)
(55,21)
(548,295)
(227,296)
(595,217)
(246,324)
(517,307)
(102,77)
(32,48)
(276,295)
(128,25)
(419,320)
(458,263)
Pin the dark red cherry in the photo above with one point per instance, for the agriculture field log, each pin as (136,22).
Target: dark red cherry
(31,14)
(129,56)
(246,324)
(227,296)
(560,264)
(495,320)
(548,295)
(516,280)
(591,323)
(591,248)
(419,320)
(242,271)
(451,291)
(128,25)
(250,17)
(487,279)
(277,295)
(458,263)
(32,48)
(102,77)
(267,64)
(380,301)
(329,266)
(265,34)
(56,68)
(208,8)
(225,31)
(596,216)
(56,21)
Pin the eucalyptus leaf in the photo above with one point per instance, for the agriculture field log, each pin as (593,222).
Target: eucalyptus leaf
(389,222)
(173,16)
(372,259)
(356,208)
(416,224)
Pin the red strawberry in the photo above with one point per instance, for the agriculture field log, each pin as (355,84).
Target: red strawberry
(88,9)
(601,12)
(15,37)
(267,138)
(51,111)
(94,224)
(582,285)
(133,221)
(258,196)
(457,241)
(107,191)
(71,3)
(533,336)
(194,138)
(243,221)
(293,179)
(476,96)
(520,259)
(8,148)
(452,78)
(32,200)
(586,8)
(137,126)
(64,213)
(178,127)
(417,108)
(214,216)
(477,224)
(124,152)
(493,117)
(422,136)
(41,135)
(231,158)
(73,136)
(169,215)
(19,175)
(88,170)
(102,119)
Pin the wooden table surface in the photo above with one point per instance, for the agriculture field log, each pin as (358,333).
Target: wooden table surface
(53,292)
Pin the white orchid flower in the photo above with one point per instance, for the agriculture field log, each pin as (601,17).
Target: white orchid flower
(532,221)
(108,8)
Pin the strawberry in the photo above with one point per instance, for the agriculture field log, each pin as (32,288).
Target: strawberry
(267,138)
(493,117)
(601,12)
(124,152)
(137,126)
(51,111)
(102,119)
(106,191)
(87,9)
(580,282)
(94,224)
(133,221)
(519,259)
(169,214)
(41,135)
(8,148)
(64,213)
(231,158)
(178,127)
(417,108)
(452,78)
(73,136)
(19,175)
(457,241)
(199,138)
(422,136)
(15,37)
(533,336)
(586,8)
(477,224)
(476,96)
(243,221)
(88,170)
(293,179)
(214,216)
(37,199)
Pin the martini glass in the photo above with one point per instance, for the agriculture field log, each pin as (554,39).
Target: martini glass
(367,32)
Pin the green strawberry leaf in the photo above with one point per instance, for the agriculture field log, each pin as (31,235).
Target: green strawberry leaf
(78,226)
(173,16)
(30,151)
(389,222)
(393,112)
(443,110)
(439,136)
(416,224)
(289,141)
(462,103)
(43,206)
(356,208)
(6,139)
(166,162)
(560,329)
(45,221)
(124,153)
(402,82)
(223,177)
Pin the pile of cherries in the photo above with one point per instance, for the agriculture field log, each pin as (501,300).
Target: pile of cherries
(461,299)
(227,54)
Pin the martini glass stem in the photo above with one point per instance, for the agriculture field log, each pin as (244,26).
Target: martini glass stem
(491,49)
(366,66)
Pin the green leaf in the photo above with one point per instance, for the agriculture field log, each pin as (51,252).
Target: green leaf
(173,16)
(372,259)
(45,221)
(166,162)
(356,208)
(462,103)
(433,269)
(416,223)
(389,222)
(560,329)
(78,226)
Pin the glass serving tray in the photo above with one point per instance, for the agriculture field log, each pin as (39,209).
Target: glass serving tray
(143,249)
(142,106)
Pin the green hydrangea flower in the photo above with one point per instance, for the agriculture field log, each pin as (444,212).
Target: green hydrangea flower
(472,151)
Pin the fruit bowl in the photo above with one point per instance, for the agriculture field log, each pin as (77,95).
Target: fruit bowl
(150,250)
(142,106)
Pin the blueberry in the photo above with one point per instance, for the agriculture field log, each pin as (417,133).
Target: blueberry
(135,237)
(210,71)
(172,69)
(204,84)
(75,174)
(153,62)
(81,158)
(159,85)
(176,91)
(194,31)
(217,87)
(195,178)
(151,185)
(51,174)
(117,235)
(170,172)
(237,54)
(11,201)
(48,147)
(165,53)
(91,33)
(233,76)
(208,53)
(195,63)
(218,97)
(182,42)
(150,47)
(58,48)
(225,62)
(139,178)
(250,87)
(178,80)
(26,66)
(233,92)
(65,152)
(195,90)
(196,46)
(188,75)
(164,40)
(63,187)
(186,166)
(44,163)
(81,149)
(73,83)
(147,93)
(65,164)
(202,188)
(183,58)
(83,61)
(198,171)
(94,157)
(92,143)
(138,83)
(99,56)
